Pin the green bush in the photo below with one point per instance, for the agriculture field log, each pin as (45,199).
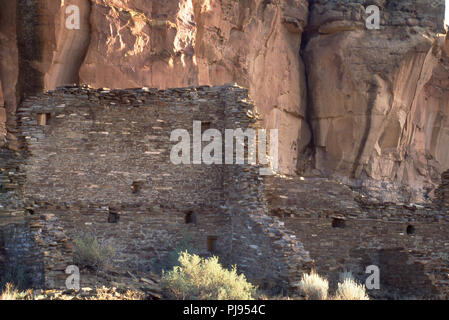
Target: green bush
(89,252)
(205,279)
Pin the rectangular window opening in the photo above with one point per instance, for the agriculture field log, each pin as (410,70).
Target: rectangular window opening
(212,244)
(43,119)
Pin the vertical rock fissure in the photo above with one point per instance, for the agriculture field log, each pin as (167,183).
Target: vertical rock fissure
(358,165)
(308,154)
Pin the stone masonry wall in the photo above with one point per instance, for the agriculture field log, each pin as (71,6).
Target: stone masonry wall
(343,231)
(442,192)
(261,245)
(11,179)
(92,153)
(95,148)
(411,265)
(103,151)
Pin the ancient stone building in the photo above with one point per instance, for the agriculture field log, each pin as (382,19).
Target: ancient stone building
(368,108)
(99,160)
(345,231)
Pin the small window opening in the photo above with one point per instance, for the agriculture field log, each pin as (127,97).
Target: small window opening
(338,222)
(30,211)
(43,119)
(410,229)
(190,217)
(136,186)
(114,216)
(212,244)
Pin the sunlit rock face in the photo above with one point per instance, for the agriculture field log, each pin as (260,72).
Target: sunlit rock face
(379,98)
(181,43)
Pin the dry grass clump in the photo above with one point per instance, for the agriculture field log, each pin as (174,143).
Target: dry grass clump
(349,289)
(205,279)
(313,286)
(105,293)
(11,293)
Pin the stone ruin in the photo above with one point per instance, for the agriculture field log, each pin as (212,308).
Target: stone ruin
(442,192)
(345,231)
(99,160)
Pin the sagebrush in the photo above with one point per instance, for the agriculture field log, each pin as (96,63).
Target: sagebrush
(205,279)
(89,252)
(314,287)
(349,289)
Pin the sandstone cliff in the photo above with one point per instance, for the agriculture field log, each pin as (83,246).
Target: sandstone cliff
(379,98)
(368,106)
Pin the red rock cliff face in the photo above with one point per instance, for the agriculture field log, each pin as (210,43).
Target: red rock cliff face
(369,106)
(379,98)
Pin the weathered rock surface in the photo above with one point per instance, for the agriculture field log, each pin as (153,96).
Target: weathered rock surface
(369,106)
(379,98)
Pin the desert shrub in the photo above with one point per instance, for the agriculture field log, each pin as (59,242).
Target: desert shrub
(205,279)
(11,293)
(313,286)
(349,289)
(89,252)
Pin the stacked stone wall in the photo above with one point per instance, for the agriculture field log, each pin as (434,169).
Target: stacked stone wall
(99,161)
(344,231)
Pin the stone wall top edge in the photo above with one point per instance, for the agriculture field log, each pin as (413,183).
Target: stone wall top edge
(88,88)
(86,92)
